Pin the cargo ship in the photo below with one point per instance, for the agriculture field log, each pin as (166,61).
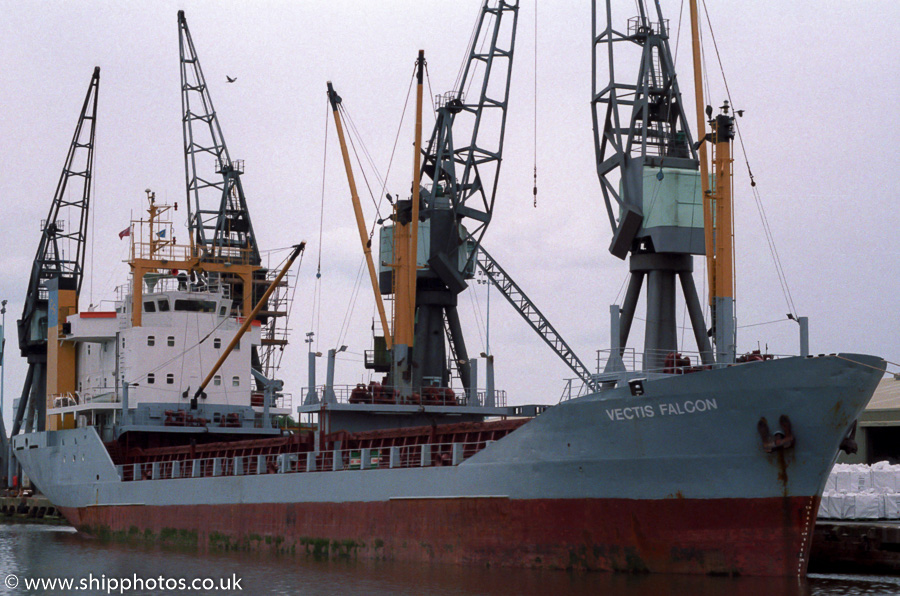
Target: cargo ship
(161,418)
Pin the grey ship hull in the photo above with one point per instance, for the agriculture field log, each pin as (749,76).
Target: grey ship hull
(675,480)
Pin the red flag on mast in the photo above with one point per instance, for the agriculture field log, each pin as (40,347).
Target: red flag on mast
(125,232)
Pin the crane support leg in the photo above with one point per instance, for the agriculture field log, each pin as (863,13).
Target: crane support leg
(696,314)
(459,345)
(629,306)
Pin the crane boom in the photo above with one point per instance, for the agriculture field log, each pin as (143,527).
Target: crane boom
(218,218)
(530,312)
(335,101)
(60,256)
(469,171)
(462,161)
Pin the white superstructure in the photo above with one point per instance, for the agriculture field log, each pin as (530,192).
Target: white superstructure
(185,329)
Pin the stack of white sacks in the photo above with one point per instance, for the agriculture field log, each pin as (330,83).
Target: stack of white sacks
(860,491)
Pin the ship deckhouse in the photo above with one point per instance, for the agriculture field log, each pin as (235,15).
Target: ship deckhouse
(138,368)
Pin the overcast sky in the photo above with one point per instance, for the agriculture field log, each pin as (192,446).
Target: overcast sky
(817,81)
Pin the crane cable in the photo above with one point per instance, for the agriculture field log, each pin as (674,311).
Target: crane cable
(316,315)
(770,239)
(471,43)
(534,190)
(394,148)
(354,132)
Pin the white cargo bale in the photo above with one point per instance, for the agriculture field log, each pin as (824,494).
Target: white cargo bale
(842,481)
(860,478)
(827,506)
(845,506)
(891,506)
(835,506)
(822,512)
(868,505)
(884,481)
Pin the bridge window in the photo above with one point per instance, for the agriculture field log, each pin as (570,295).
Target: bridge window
(164,305)
(195,306)
(223,310)
(150,306)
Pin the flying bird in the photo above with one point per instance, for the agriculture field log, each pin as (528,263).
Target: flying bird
(230,80)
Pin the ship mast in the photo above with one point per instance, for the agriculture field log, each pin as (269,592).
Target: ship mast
(717,207)
(406,231)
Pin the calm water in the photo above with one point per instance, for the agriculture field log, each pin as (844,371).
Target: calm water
(34,551)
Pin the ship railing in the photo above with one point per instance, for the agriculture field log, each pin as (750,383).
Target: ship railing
(442,99)
(640,26)
(332,460)
(103,395)
(63,400)
(166,252)
(282,400)
(141,249)
(89,395)
(654,362)
(374,393)
(631,364)
(170,283)
(166,282)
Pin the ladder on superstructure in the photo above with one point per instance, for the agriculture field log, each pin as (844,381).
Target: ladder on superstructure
(274,332)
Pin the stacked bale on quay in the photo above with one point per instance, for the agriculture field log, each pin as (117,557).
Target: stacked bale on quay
(861,491)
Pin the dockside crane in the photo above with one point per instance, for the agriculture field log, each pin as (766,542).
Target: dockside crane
(218,217)
(58,268)
(650,178)
(462,161)
(463,185)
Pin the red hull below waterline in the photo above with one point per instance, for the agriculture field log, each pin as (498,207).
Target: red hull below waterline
(715,536)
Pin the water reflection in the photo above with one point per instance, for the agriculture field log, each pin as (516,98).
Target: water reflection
(46,551)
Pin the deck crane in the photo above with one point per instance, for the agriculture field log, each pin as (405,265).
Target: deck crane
(649,175)
(58,268)
(442,276)
(462,161)
(218,218)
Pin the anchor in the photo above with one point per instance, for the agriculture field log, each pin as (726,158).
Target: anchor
(783,438)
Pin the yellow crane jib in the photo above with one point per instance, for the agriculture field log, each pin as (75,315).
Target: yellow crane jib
(248,320)
(335,100)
